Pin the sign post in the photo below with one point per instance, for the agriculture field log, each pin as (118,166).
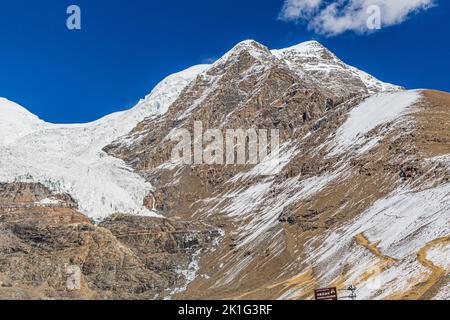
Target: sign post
(326,294)
(352,295)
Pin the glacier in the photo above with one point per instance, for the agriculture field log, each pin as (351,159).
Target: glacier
(69,158)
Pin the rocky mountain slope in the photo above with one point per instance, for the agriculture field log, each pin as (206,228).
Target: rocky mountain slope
(361,194)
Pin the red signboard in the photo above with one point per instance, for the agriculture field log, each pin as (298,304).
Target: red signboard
(326,294)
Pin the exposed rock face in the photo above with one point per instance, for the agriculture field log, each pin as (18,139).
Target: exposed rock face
(361,197)
(43,246)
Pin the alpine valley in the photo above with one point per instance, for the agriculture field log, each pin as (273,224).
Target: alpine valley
(362,196)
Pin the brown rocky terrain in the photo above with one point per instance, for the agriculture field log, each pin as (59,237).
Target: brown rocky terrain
(124,257)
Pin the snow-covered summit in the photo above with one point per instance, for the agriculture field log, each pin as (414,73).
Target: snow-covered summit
(307,47)
(314,59)
(16,122)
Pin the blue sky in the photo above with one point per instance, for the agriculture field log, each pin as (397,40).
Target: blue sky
(126,47)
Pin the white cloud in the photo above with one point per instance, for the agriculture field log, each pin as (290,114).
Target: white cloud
(335,17)
(296,9)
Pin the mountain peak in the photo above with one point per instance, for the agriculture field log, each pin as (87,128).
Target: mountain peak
(249,43)
(328,71)
(10,110)
(251,48)
(307,49)
(15,121)
(307,45)
(6,103)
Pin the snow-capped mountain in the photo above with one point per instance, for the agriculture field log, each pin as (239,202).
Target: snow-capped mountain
(362,196)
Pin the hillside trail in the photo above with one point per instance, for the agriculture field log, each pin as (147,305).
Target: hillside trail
(428,288)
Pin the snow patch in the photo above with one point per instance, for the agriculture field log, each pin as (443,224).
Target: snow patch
(377,110)
(48,202)
(440,256)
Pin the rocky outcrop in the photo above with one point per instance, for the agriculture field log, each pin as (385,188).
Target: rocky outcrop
(52,251)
